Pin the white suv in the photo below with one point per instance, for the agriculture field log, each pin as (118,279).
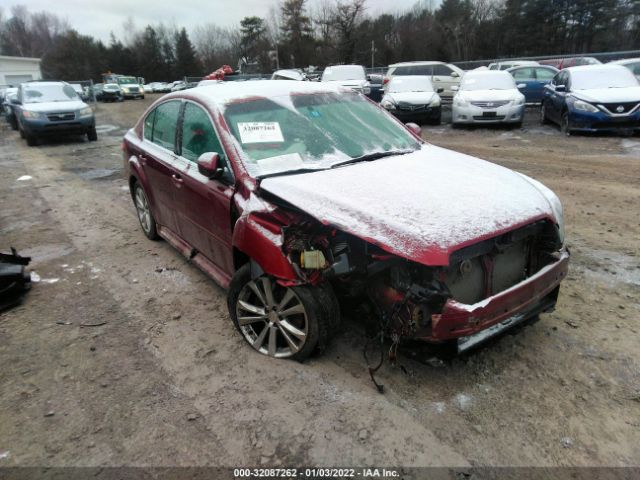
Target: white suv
(443,75)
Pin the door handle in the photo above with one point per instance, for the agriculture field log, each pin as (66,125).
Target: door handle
(177,179)
(143,159)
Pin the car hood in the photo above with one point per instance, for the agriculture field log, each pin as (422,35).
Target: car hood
(414,98)
(421,206)
(489,95)
(72,105)
(609,95)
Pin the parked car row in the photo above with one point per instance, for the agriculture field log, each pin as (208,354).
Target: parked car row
(40,109)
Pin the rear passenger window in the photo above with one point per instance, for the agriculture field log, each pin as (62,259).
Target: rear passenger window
(165,123)
(148,126)
(524,74)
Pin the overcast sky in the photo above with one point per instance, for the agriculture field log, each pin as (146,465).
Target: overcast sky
(99,17)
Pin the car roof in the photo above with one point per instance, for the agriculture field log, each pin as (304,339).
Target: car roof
(223,93)
(546,67)
(405,64)
(487,73)
(596,68)
(624,61)
(52,82)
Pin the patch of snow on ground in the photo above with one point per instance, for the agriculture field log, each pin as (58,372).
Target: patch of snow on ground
(24,178)
(463,402)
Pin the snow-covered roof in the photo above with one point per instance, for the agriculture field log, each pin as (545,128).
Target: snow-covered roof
(224,93)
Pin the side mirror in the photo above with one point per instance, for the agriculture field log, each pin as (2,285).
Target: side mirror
(522,85)
(15,101)
(561,88)
(209,165)
(455,74)
(440,90)
(414,128)
(454,88)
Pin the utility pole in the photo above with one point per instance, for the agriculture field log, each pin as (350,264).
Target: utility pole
(373,50)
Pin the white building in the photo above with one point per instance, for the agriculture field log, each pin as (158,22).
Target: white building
(15,70)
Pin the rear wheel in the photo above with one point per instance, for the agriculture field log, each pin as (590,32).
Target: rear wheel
(147,222)
(281,322)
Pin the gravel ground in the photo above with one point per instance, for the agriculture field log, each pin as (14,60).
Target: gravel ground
(123,353)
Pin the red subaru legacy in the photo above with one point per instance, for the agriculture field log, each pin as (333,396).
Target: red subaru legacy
(294,195)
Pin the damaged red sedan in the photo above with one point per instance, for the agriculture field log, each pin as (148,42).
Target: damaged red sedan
(295,195)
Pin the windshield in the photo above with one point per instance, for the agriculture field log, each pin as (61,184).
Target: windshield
(410,84)
(127,80)
(487,82)
(49,93)
(343,72)
(603,78)
(316,131)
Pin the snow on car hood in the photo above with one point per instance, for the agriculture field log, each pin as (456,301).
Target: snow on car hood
(414,98)
(609,95)
(420,206)
(347,83)
(489,95)
(72,105)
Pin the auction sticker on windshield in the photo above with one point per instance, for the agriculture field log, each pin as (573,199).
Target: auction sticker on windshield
(260,132)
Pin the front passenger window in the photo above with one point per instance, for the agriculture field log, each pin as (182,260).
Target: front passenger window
(198,135)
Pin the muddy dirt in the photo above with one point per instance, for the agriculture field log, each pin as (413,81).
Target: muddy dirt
(124,354)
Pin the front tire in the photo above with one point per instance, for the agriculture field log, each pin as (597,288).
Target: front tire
(565,124)
(543,114)
(277,321)
(147,222)
(92,135)
(32,140)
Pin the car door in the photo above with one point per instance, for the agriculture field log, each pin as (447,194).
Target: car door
(162,166)
(543,78)
(559,97)
(204,211)
(525,78)
(442,79)
(554,100)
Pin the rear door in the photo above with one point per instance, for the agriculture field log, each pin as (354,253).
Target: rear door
(204,211)
(162,166)
(543,77)
(525,78)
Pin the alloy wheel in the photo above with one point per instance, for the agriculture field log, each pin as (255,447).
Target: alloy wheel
(142,208)
(272,318)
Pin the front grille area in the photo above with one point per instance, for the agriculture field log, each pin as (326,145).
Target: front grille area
(134,89)
(61,116)
(494,104)
(495,117)
(409,107)
(620,108)
(492,266)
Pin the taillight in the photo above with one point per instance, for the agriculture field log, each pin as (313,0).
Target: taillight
(385,80)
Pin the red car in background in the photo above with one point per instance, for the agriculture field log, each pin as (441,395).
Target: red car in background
(294,194)
(567,62)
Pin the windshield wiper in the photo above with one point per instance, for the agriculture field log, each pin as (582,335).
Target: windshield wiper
(289,172)
(372,156)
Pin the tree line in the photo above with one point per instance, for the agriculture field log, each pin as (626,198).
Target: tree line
(296,34)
